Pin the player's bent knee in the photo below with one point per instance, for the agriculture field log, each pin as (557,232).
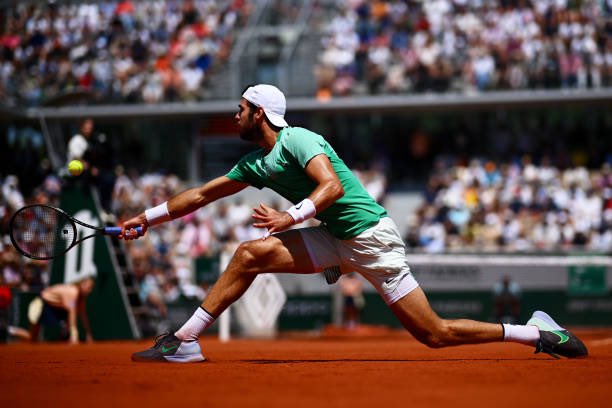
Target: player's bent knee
(429,339)
(433,341)
(435,337)
(253,256)
(246,258)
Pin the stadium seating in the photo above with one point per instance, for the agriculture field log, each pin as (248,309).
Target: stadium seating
(163,51)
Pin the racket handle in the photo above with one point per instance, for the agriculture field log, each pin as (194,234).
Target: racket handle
(117,230)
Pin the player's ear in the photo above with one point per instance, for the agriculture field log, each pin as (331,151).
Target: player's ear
(259,114)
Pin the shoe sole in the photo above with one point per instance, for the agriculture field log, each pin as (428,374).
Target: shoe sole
(193,358)
(171,359)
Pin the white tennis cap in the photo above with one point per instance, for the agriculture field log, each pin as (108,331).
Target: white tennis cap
(271,100)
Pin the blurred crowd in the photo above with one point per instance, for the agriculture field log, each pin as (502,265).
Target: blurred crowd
(129,51)
(16,271)
(514,207)
(164,50)
(398,46)
(26,177)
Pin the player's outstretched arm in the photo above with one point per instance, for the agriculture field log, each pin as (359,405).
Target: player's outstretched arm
(195,198)
(182,204)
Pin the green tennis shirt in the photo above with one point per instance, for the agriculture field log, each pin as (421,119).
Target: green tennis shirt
(282,170)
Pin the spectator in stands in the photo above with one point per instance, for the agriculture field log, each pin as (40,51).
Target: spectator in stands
(79,143)
(374,181)
(96,154)
(522,208)
(149,278)
(129,51)
(238,212)
(11,193)
(10,262)
(507,301)
(353,300)
(152,52)
(448,45)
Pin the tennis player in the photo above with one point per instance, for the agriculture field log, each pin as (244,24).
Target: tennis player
(355,234)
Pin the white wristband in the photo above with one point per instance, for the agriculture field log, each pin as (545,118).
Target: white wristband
(303,210)
(158,214)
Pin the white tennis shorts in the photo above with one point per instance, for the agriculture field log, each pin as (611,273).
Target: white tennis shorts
(378,254)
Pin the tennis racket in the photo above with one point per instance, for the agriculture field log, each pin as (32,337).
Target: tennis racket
(44,232)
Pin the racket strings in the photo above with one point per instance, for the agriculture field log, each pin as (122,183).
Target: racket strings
(42,232)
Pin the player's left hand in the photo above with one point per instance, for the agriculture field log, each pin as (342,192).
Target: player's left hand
(272,220)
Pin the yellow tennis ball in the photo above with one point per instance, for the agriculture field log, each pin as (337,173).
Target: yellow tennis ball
(75,167)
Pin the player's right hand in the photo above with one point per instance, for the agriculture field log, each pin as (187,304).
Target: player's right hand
(128,229)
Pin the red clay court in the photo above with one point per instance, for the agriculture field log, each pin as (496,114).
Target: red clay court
(334,370)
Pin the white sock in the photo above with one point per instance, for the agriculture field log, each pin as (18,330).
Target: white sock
(521,334)
(192,328)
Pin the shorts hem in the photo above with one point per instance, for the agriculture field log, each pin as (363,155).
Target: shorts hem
(406,285)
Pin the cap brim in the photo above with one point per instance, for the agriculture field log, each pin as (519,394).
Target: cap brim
(277,120)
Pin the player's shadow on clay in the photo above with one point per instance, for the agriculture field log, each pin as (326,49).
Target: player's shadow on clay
(359,360)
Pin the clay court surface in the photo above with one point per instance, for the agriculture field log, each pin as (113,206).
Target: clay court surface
(334,370)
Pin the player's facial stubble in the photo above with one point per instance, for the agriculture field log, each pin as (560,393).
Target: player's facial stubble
(247,125)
